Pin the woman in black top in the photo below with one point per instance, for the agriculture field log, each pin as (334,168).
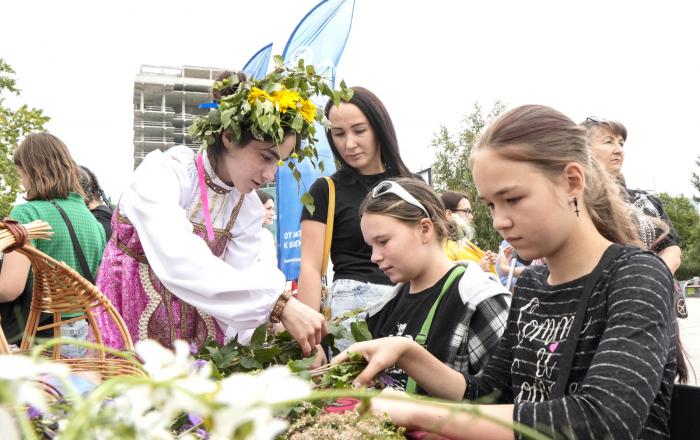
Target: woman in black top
(550,200)
(96,200)
(364,143)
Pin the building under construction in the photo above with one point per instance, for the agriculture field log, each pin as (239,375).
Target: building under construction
(166,101)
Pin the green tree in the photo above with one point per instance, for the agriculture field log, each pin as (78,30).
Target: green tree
(695,181)
(686,221)
(14,124)
(451,168)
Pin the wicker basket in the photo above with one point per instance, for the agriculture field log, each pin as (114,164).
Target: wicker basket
(4,346)
(59,290)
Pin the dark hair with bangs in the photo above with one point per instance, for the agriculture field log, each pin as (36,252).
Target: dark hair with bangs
(452,198)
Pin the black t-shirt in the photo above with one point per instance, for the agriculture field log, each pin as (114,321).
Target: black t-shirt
(14,314)
(349,252)
(103,214)
(405,313)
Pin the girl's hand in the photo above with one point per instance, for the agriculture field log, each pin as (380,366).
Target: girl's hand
(484,264)
(380,354)
(306,325)
(320,358)
(488,260)
(508,252)
(397,405)
(491,256)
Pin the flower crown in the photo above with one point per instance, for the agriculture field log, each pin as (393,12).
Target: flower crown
(271,106)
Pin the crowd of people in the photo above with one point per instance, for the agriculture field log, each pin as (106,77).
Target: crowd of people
(569,325)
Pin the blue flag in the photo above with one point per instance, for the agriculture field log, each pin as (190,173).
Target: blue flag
(319,39)
(256,67)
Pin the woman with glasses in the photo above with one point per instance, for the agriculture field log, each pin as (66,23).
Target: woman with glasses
(607,139)
(459,245)
(589,349)
(364,144)
(457,312)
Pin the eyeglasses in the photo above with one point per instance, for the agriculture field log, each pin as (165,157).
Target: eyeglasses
(389,186)
(595,120)
(467,211)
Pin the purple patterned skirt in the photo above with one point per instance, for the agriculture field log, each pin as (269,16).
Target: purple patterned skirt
(149,309)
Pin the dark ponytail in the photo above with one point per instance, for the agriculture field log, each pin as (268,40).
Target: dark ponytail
(91,186)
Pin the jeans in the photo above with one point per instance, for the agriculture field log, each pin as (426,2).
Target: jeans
(346,295)
(75,330)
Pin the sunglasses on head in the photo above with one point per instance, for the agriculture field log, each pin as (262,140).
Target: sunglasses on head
(391,187)
(596,119)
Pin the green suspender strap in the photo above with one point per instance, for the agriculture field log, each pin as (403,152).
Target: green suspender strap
(423,334)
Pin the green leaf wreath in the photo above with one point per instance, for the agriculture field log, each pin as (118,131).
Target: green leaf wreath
(268,107)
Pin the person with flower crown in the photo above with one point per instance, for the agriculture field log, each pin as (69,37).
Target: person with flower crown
(184,261)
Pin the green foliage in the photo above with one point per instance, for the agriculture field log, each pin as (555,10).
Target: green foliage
(14,125)
(695,181)
(686,221)
(451,169)
(340,375)
(267,349)
(360,331)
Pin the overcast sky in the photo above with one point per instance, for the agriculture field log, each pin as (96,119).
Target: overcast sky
(429,61)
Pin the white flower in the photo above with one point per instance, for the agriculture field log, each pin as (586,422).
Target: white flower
(162,364)
(273,385)
(14,367)
(264,425)
(20,376)
(9,428)
(279,385)
(248,398)
(175,386)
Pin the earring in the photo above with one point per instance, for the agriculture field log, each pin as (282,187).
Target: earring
(576,206)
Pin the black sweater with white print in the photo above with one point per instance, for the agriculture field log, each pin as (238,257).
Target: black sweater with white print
(625,363)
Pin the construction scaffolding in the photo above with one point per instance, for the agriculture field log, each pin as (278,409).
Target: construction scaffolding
(166,101)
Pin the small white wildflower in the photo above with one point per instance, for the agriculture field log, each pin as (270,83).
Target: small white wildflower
(20,376)
(162,364)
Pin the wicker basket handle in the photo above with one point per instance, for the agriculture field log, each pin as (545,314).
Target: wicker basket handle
(18,231)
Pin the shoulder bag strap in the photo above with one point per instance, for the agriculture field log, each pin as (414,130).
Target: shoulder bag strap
(329,225)
(85,269)
(325,306)
(425,329)
(569,351)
